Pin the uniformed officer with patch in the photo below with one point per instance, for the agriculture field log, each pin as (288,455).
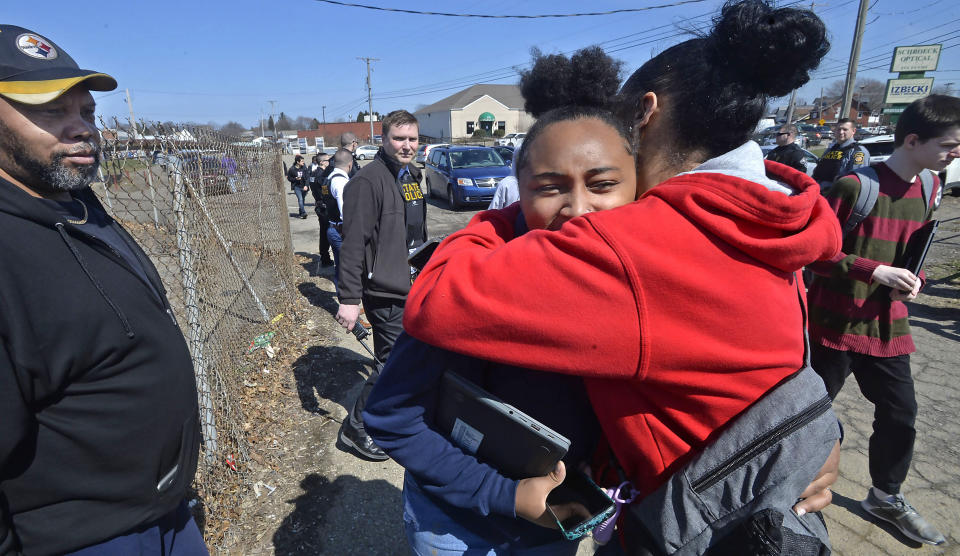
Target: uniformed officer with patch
(844,155)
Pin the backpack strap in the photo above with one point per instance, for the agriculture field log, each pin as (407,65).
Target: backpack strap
(926,184)
(866,199)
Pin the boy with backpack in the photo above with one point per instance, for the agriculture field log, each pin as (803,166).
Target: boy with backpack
(858,318)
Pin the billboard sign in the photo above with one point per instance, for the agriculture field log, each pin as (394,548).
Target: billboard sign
(905,91)
(915,58)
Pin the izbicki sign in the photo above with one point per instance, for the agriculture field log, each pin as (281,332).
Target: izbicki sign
(905,91)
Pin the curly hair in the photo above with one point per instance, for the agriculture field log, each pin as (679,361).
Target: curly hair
(557,88)
(718,84)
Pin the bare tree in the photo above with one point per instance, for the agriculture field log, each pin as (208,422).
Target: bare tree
(871,92)
(867,91)
(284,123)
(232,128)
(303,122)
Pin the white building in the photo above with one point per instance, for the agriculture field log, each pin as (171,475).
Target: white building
(487,107)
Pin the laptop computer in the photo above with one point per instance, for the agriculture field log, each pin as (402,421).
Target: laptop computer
(496,432)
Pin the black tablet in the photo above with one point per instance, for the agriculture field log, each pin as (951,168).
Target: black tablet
(418,257)
(497,433)
(919,245)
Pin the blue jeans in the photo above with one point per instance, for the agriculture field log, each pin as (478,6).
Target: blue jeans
(299,192)
(432,532)
(335,240)
(175,534)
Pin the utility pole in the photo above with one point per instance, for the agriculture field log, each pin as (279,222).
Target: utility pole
(821,106)
(324,108)
(260,110)
(790,107)
(273,113)
(854,61)
(133,120)
(370,94)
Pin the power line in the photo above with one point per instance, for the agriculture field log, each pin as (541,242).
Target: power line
(506,16)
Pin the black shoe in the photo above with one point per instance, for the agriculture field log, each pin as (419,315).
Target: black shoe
(303,217)
(326,262)
(362,444)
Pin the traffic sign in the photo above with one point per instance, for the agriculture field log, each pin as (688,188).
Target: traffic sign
(821,121)
(893,110)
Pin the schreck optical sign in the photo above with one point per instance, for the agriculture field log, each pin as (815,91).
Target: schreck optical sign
(915,58)
(905,91)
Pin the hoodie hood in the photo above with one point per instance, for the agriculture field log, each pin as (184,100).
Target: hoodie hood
(784,231)
(17,202)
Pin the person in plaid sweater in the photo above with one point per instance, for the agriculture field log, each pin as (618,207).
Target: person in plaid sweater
(858,316)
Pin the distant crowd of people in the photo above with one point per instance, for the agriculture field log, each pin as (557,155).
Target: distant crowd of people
(642,299)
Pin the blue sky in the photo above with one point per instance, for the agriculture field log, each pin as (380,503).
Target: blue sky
(213,60)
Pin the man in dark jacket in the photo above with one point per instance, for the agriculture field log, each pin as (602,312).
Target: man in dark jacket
(321,162)
(384,218)
(788,152)
(297,176)
(98,406)
(844,155)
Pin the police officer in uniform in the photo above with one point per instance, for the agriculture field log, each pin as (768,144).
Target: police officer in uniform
(787,151)
(844,155)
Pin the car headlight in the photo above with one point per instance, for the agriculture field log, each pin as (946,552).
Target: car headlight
(465,181)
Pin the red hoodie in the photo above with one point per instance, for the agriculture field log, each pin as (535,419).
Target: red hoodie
(679,309)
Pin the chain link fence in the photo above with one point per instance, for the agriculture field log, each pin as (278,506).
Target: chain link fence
(210,211)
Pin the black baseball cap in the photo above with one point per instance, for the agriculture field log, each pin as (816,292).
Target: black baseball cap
(34,70)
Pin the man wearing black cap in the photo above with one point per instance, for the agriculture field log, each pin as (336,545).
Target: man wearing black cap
(98,406)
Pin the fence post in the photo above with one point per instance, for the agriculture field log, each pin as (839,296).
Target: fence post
(191,304)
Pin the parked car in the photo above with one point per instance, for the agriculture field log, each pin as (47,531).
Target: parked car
(809,158)
(950,178)
(511,140)
(506,153)
(826,132)
(810,132)
(330,150)
(205,170)
(424,151)
(366,151)
(464,175)
(505,140)
(880,147)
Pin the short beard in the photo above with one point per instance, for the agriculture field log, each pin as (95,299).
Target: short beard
(54,175)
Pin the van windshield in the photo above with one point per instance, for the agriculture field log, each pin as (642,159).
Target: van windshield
(479,158)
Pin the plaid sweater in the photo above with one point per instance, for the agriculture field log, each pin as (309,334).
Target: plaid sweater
(848,310)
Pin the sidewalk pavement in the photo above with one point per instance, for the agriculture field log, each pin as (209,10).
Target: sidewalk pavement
(932,485)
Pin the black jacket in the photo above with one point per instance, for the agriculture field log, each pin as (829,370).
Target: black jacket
(297,176)
(839,160)
(373,257)
(791,155)
(98,403)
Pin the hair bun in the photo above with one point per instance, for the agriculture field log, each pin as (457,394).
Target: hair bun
(589,78)
(769,50)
